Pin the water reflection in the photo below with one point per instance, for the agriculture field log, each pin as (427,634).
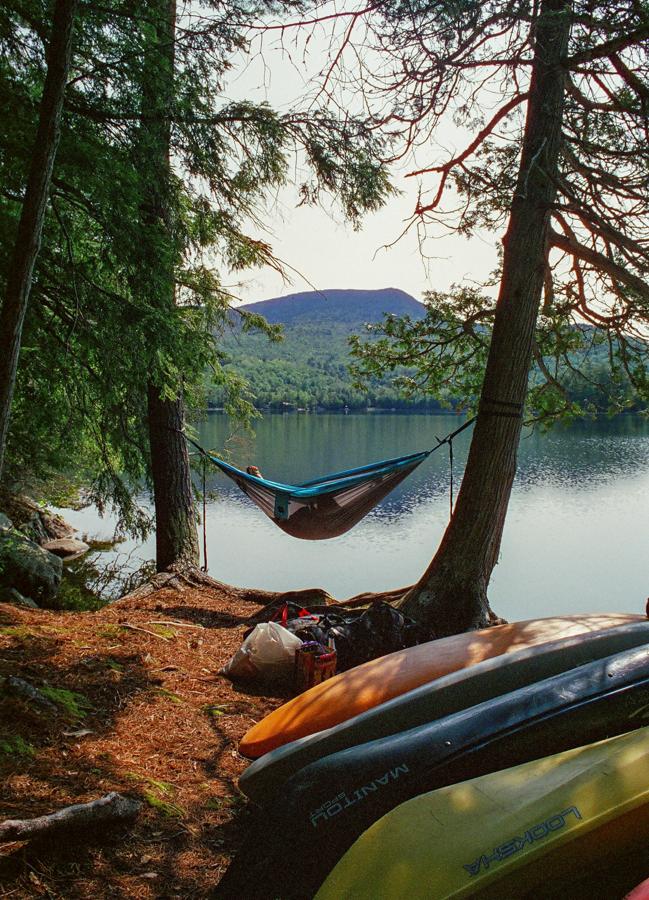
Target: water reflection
(575,538)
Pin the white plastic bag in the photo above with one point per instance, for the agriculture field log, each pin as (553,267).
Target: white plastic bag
(268,652)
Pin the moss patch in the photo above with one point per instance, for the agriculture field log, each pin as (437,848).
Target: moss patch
(13,746)
(75,706)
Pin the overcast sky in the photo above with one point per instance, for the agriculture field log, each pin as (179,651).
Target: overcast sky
(318,244)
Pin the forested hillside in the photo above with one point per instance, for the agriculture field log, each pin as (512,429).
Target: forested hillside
(309,367)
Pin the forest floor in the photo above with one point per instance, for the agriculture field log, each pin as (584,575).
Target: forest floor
(142,711)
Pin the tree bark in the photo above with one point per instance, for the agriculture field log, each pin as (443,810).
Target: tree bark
(30,226)
(176,536)
(451,596)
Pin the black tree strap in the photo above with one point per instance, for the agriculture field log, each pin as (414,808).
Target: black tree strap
(503,408)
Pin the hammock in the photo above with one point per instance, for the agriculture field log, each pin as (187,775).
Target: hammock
(329,506)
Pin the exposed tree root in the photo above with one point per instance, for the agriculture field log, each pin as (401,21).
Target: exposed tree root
(179,579)
(470,610)
(445,605)
(113,809)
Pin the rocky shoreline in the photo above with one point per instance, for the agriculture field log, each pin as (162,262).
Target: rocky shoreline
(34,544)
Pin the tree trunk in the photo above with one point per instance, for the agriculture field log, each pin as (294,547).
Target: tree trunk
(451,597)
(176,537)
(30,226)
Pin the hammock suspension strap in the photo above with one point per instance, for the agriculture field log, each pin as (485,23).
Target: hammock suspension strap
(449,440)
(204,566)
(450,482)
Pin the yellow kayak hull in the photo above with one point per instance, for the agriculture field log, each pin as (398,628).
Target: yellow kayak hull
(505,834)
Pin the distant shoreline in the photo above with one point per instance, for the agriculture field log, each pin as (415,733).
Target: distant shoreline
(351,410)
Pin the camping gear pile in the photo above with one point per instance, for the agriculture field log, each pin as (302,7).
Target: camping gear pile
(497,763)
(311,646)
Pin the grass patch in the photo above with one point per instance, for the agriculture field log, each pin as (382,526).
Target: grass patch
(110,632)
(153,797)
(169,695)
(114,665)
(163,631)
(21,632)
(14,745)
(171,810)
(164,787)
(215,711)
(76,706)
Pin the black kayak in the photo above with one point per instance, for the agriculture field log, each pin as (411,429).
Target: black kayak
(438,698)
(298,838)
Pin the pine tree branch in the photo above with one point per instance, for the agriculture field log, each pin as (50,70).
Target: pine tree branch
(599,261)
(615,45)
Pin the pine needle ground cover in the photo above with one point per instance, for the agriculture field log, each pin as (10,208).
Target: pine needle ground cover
(136,706)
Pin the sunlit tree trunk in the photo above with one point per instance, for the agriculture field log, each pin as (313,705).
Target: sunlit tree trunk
(451,596)
(176,538)
(30,226)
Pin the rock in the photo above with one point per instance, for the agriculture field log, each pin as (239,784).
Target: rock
(34,529)
(56,527)
(25,566)
(34,519)
(5,523)
(66,548)
(15,597)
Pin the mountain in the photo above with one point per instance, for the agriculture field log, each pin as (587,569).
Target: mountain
(308,368)
(343,306)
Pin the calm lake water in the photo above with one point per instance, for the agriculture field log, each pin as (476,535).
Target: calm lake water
(576,537)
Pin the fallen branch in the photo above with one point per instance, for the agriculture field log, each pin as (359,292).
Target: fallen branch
(113,809)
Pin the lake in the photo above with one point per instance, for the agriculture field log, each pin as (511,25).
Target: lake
(576,537)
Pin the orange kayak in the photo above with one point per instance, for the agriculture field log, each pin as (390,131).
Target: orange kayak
(641,892)
(374,682)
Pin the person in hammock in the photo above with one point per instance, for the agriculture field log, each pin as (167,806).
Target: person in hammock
(253,470)
(314,519)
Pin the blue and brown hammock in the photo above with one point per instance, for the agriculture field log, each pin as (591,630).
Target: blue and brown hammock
(329,506)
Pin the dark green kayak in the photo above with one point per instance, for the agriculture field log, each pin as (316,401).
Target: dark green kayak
(440,697)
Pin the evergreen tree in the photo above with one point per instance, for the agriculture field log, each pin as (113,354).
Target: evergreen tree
(30,224)
(176,538)
(554,96)
(127,293)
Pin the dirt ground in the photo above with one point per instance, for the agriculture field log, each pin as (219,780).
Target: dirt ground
(140,710)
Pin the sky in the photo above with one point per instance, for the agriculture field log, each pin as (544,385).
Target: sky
(319,249)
